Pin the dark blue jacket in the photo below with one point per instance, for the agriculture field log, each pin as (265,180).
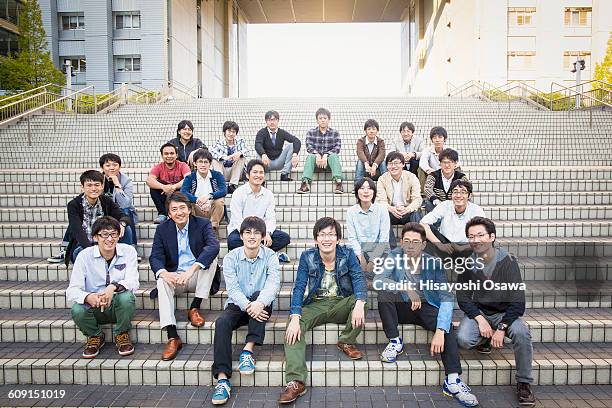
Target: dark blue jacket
(202,242)
(350,279)
(190,185)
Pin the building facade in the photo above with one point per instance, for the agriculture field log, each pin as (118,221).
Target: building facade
(9,17)
(495,41)
(196,46)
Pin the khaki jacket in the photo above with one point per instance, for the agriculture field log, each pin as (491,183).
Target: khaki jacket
(410,186)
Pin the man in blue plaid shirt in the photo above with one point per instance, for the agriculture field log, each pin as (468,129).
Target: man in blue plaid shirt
(323,146)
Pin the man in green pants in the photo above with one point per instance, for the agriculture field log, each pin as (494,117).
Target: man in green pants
(337,293)
(101,287)
(323,146)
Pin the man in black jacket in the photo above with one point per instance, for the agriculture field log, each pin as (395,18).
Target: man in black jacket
(85,209)
(271,149)
(437,184)
(492,296)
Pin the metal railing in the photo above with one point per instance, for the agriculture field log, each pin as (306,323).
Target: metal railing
(575,97)
(180,90)
(563,98)
(138,94)
(77,102)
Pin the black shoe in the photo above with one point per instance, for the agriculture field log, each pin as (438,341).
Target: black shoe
(286,177)
(484,348)
(524,394)
(231,188)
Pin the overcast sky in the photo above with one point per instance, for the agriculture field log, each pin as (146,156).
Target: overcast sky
(354,59)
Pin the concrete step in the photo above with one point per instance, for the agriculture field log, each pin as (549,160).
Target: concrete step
(288,213)
(60,363)
(327,198)
(580,325)
(474,172)
(577,246)
(303,230)
(539,294)
(539,268)
(276,186)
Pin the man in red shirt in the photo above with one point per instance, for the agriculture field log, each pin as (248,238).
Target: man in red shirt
(165,178)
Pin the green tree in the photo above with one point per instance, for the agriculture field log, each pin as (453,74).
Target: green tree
(603,70)
(32,66)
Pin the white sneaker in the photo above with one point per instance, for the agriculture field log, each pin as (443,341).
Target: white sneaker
(390,353)
(59,258)
(461,392)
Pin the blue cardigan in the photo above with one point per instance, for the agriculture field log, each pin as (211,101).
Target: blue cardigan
(190,185)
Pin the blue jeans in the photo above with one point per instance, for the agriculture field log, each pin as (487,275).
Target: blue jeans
(282,162)
(468,336)
(360,171)
(280,239)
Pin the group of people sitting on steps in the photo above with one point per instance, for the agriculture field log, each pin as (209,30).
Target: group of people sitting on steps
(447,255)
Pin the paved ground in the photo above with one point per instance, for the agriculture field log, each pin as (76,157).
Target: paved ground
(584,396)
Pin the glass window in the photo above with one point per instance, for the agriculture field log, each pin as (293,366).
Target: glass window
(569,57)
(521,16)
(78,64)
(127,21)
(73,22)
(127,64)
(577,16)
(520,60)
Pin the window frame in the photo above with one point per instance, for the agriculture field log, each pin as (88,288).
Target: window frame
(134,61)
(123,17)
(77,19)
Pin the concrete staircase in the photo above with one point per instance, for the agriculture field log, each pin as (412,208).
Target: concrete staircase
(545,179)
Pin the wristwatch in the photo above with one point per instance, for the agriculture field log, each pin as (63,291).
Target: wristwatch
(502,326)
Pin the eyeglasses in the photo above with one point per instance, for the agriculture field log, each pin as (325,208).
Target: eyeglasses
(460,192)
(327,236)
(414,241)
(106,235)
(481,235)
(395,163)
(447,162)
(202,162)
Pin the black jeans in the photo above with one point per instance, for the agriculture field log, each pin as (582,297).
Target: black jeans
(231,319)
(393,311)
(159,198)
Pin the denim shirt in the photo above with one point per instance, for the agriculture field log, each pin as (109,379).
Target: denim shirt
(433,272)
(350,279)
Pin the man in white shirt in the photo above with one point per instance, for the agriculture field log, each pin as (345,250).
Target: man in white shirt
(102,286)
(453,215)
(253,199)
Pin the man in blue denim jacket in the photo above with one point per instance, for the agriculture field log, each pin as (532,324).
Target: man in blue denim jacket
(413,289)
(330,287)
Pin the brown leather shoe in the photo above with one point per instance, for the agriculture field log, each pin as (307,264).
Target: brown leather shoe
(338,189)
(304,188)
(195,318)
(350,350)
(292,391)
(172,348)
(94,344)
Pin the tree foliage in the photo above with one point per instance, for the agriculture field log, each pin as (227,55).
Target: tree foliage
(32,66)
(603,70)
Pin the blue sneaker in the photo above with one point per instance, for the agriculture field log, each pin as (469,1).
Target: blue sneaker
(461,392)
(390,353)
(247,363)
(283,257)
(222,393)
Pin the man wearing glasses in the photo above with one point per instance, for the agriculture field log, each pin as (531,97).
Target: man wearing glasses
(399,192)
(437,184)
(452,215)
(102,286)
(252,279)
(492,314)
(205,188)
(408,294)
(330,287)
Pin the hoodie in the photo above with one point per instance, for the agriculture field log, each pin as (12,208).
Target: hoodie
(510,300)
